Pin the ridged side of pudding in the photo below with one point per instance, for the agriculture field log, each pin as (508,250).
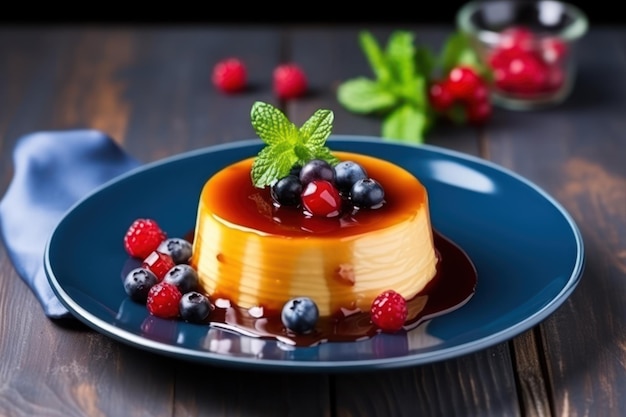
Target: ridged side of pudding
(254,254)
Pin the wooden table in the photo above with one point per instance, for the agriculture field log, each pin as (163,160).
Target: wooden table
(149,88)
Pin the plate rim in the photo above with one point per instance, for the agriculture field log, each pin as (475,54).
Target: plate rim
(415,359)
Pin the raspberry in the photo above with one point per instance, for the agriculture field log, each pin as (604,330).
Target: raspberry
(163,300)
(158,263)
(290,81)
(142,237)
(389,311)
(229,75)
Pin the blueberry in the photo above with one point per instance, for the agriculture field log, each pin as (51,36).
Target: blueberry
(300,315)
(286,191)
(183,276)
(194,307)
(367,193)
(347,173)
(317,169)
(178,249)
(137,283)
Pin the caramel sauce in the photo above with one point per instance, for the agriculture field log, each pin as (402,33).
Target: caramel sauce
(452,287)
(251,207)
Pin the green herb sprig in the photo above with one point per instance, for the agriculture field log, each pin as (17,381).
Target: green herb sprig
(399,91)
(286,144)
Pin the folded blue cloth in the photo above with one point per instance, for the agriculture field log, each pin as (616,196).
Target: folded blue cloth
(52,171)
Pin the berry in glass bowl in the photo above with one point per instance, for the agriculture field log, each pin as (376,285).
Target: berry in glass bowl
(529,47)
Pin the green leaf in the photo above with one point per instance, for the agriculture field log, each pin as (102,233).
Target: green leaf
(364,96)
(425,62)
(271,125)
(271,163)
(287,145)
(400,55)
(316,130)
(375,56)
(406,124)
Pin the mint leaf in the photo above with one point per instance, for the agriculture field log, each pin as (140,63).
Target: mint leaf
(375,56)
(316,130)
(271,125)
(286,144)
(406,124)
(400,85)
(363,96)
(400,55)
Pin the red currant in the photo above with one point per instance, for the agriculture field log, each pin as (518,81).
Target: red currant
(440,96)
(321,198)
(480,94)
(478,112)
(462,82)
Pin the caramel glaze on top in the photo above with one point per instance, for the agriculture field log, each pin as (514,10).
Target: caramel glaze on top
(251,207)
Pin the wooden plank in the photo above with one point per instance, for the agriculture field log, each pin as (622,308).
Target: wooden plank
(575,152)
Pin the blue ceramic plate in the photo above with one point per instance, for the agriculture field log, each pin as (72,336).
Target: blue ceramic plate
(527,250)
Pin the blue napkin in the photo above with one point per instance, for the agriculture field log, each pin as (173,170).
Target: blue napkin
(52,171)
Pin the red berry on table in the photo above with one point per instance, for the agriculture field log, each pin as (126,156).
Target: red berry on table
(440,96)
(462,81)
(230,75)
(480,94)
(389,311)
(158,263)
(290,81)
(321,198)
(163,300)
(142,237)
(478,112)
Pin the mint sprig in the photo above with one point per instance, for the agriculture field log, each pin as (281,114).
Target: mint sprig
(399,90)
(286,144)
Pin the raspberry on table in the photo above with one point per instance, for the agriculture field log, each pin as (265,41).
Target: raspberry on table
(163,300)
(389,311)
(290,81)
(142,237)
(230,75)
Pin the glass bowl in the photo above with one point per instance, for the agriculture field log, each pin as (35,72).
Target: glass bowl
(528,47)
